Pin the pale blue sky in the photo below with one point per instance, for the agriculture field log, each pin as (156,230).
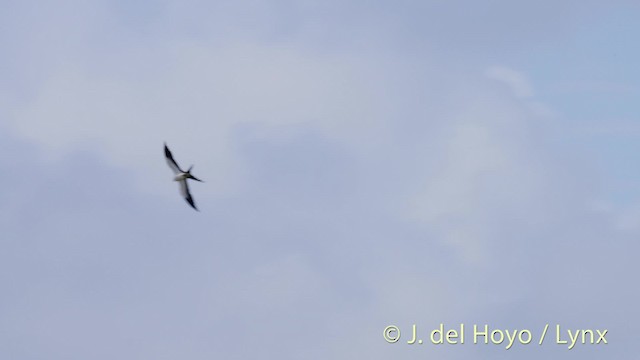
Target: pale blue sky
(366,164)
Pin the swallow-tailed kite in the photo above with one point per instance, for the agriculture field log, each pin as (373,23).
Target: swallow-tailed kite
(181,176)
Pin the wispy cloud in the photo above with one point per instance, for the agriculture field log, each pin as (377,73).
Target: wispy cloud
(515,80)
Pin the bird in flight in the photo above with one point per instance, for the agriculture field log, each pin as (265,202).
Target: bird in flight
(181,177)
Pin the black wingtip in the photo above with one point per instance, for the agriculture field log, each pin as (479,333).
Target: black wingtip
(190,201)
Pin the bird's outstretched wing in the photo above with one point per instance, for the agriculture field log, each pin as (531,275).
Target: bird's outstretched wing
(184,191)
(172,163)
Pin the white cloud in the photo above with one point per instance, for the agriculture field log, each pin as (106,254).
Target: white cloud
(196,104)
(516,81)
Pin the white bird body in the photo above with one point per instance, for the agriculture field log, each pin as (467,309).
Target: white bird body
(181,176)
